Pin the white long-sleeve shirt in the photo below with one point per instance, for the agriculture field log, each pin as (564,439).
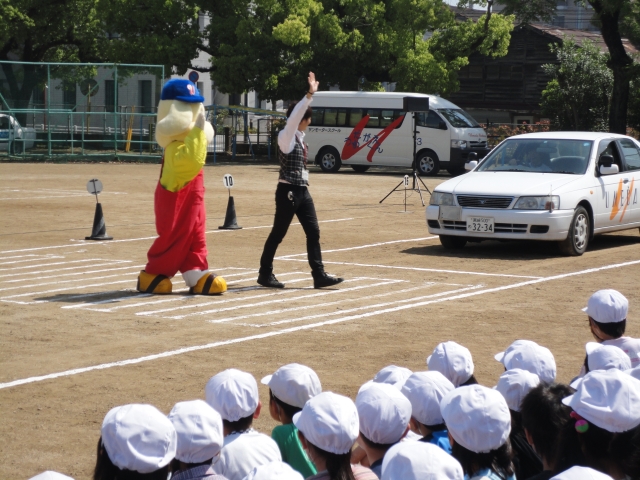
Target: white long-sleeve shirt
(287,136)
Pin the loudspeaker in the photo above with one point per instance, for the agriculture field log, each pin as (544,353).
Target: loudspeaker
(415,104)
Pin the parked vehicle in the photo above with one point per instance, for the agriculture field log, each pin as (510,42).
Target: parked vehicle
(363,129)
(13,137)
(554,186)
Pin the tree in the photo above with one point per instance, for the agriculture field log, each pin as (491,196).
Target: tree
(578,95)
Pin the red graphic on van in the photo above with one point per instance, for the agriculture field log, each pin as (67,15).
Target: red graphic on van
(352,144)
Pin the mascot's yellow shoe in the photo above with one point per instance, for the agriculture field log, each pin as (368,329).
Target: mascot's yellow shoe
(150,283)
(209,285)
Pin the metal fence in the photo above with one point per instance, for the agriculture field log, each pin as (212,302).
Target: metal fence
(50,109)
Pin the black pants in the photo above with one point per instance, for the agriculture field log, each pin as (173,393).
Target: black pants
(301,205)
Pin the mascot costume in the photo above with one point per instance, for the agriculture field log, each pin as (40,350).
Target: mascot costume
(179,198)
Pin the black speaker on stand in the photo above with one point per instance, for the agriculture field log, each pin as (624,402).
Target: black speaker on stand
(413,105)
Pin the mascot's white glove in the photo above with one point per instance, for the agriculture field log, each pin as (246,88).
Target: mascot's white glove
(200,121)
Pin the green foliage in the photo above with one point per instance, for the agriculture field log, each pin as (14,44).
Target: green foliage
(529,11)
(578,95)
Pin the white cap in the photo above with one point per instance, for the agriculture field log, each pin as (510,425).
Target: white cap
(294,384)
(610,399)
(199,429)
(384,413)
(419,461)
(514,385)
(233,393)
(529,356)
(477,418)
(49,475)
(453,361)
(634,372)
(581,473)
(274,471)
(330,422)
(606,357)
(425,391)
(607,306)
(138,437)
(393,375)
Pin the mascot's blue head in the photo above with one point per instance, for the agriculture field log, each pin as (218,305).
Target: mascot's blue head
(182,90)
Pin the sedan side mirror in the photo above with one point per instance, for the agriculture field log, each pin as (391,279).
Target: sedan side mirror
(609,170)
(606,160)
(471,165)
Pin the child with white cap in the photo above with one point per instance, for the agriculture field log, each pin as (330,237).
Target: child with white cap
(200,438)
(454,362)
(420,461)
(514,385)
(274,471)
(425,391)
(581,473)
(50,475)
(289,389)
(393,375)
(384,415)
(607,311)
(234,394)
(604,357)
(544,420)
(137,442)
(479,424)
(606,409)
(528,355)
(328,426)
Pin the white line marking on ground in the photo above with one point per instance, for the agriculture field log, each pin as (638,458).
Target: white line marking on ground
(29,255)
(62,263)
(285,257)
(30,260)
(129,267)
(298,328)
(419,269)
(110,262)
(321,305)
(33,285)
(66,288)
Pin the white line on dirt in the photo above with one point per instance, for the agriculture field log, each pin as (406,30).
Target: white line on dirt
(321,305)
(63,263)
(419,269)
(32,285)
(29,255)
(129,267)
(358,247)
(110,262)
(298,328)
(66,288)
(37,259)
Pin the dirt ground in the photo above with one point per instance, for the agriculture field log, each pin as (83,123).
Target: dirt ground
(76,339)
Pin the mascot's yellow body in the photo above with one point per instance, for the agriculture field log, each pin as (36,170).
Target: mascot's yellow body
(179,198)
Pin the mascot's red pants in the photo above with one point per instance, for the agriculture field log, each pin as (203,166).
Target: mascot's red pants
(180,223)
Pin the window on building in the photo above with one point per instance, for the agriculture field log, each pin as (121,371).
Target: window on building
(109,96)
(69,95)
(38,97)
(558,21)
(144,96)
(475,71)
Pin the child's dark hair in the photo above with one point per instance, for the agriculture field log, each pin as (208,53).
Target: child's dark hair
(338,465)
(106,470)
(471,381)
(615,329)
(498,460)
(289,410)
(239,425)
(374,445)
(544,416)
(307,114)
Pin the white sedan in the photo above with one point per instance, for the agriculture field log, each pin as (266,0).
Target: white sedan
(554,186)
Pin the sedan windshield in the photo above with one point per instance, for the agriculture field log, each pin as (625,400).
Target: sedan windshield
(458,118)
(539,155)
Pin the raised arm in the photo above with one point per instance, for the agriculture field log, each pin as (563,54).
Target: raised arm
(287,135)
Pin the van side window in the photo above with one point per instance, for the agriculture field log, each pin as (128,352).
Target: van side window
(330,117)
(429,120)
(317,117)
(374,118)
(4,123)
(355,115)
(386,118)
(630,152)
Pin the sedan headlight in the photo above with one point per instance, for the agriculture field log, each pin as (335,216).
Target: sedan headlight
(458,144)
(545,202)
(440,198)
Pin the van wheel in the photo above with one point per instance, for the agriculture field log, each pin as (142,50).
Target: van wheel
(360,168)
(427,163)
(329,160)
(451,242)
(578,237)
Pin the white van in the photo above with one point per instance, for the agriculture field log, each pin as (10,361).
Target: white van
(362,129)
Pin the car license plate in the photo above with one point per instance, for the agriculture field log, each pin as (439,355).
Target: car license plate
(480,224)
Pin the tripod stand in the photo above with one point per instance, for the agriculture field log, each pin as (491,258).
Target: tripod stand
(416,178)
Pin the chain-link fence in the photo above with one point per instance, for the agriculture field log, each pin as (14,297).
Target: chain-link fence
(51,109)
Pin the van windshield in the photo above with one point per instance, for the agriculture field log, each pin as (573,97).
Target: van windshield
(458,118)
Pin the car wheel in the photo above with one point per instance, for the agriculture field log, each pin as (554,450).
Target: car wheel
(329,160)
(578,237)
(428,163)
(450,242)
(360,168)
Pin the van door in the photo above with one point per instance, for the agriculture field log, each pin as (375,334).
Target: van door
(612,191)
(433,134)
(631,179)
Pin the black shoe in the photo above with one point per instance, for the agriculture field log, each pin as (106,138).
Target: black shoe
(271,281)
(325,280)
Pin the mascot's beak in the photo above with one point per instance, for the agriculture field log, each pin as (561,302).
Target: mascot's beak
(174,117)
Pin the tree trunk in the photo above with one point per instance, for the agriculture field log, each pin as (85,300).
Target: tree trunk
(21,86)
(619,63)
